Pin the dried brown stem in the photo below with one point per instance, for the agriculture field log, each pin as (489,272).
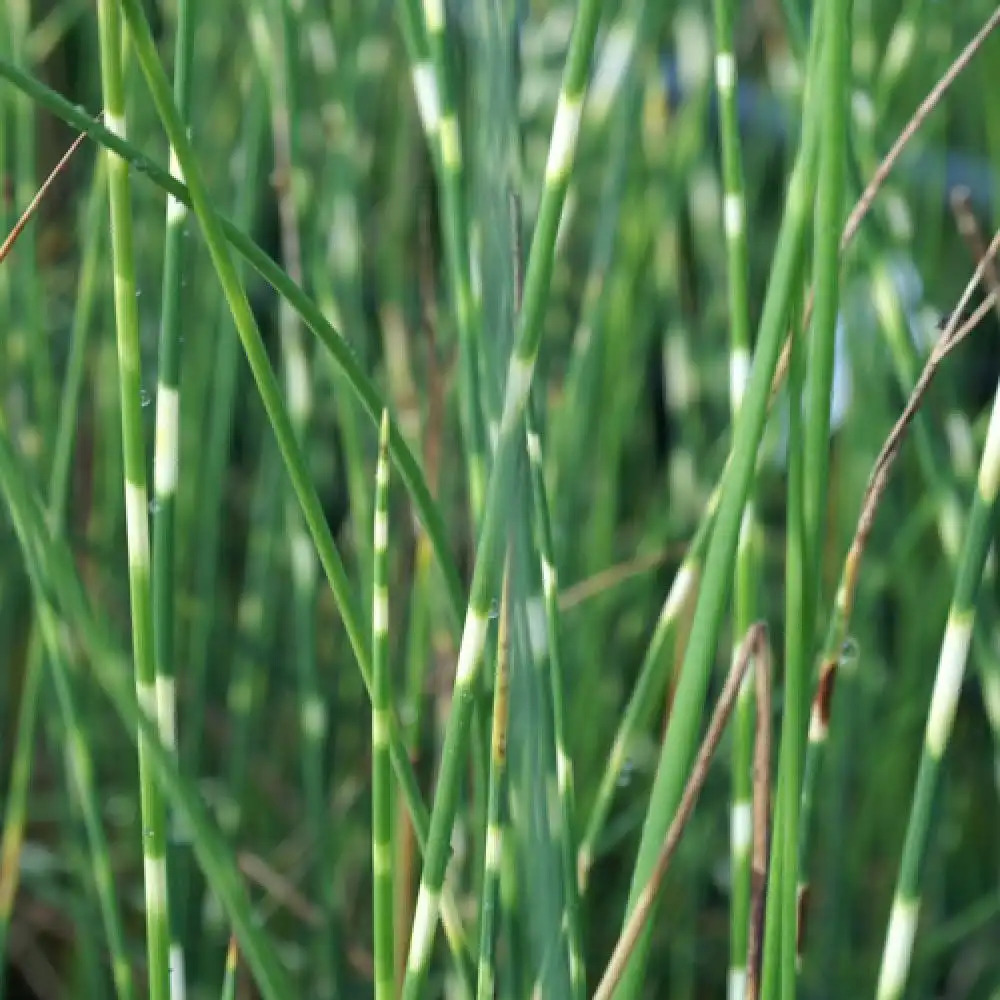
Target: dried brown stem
(761,848)
(606,579)
(955,330)
(864,203)
(754,646)
(32,208)
(927,105)
(968,227)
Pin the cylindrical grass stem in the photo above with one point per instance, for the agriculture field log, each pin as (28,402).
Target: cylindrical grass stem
(679,744)
(486,974)
(734,213)
(152,812)
(382,875)
(509,452)
(940,718)
(166,474)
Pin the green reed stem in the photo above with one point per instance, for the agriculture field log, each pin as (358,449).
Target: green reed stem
(940,719)
(267,384)
(281,63)
(225,232)
(556,677)
(15,811)
(426,39)
(166,468)
(382,878)
(54,577)
(832,106)
(784,857)
(215,450)
(490,894)
(679,744)
(152,811)
(649,687)
(509,452)
(232,967)
(734,213)
(804,572)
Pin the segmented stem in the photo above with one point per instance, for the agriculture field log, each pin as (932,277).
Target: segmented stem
(679,744)
(734,214)
(940,718)
(649,687)
(381,710)
(486,977)
(509,452)
(166,467)
(152,812)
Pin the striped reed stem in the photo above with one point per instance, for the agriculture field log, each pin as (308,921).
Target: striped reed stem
(509,452)
(382,875)
(152,812)
(166,472)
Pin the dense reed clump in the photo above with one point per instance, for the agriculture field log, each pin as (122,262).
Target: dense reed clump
(526,471)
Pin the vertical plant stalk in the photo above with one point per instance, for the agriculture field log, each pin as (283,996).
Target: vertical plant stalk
(779,957)
(151,805)
(940,719)
(833,658)
(509,452)
(679,744)
(808,496)
(382,888)
(761,825)
(52,572)
(26,345)
(425,32)
(15,811)
(337,258)
(486,975)
(246,170)
(832,97)
(648,690)
(564,764)
(754,647)
(221,233)
(308,499)
(280,60)
(734,214)
(545,648)
(166,468)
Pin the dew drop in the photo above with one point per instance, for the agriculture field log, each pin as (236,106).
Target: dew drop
(494,609)
(625,777)
(145,397)
(849,652)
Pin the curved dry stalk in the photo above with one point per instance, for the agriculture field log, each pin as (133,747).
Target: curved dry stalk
(35,202)
(926,106)
(761,818)
(867,198)
(755,647)
(831,656)
(951,337)
(968,227)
